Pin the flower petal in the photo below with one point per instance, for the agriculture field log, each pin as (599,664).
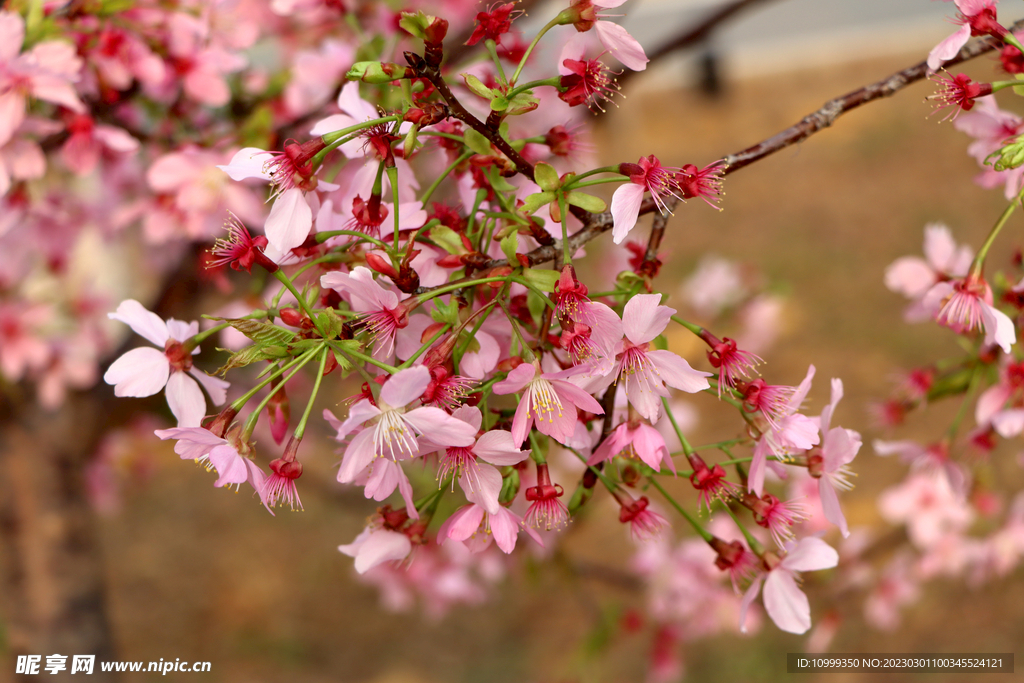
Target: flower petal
(289,221)
(140,372)
(625,209)
(785,603)
(142,321)
(185,399)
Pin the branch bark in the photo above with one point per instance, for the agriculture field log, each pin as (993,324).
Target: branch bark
(825,116)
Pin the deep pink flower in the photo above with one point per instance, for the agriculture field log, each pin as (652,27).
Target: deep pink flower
(958,92)
(494,23)
(279,487)
(788,430)
(240,249)
(710,482)
(587,81)
(977,17)
(778,516)
(734,558)
(647,175)
(548,401)
(785,603)
(644,524)
(705,183)
(546,511)
(731,362)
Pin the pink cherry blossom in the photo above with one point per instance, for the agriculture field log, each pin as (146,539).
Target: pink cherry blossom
(644,371)
(208,449)
(788,431)
(913,276)
(145,371)
(476,526)
(785,603)
(46,72)
(929,507)
(548,400)
(976,18)
(615,39)
(635,439)
(838,449)
(375,546)
(966,304)
(392,428)
(647,175)
(474,465)
(383,315)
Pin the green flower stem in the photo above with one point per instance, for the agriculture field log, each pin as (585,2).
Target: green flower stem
(461,350)
(603,181)
(979,261)
(444,174)
(527,352)
(687,448)
(458,284)
(358,355)
(1011,39)
(423,349)
(393,179)
(553,82)
(279,274)
(438,134)
(240,402)
(562,211)
(492,50)
(529,285)
(334,139)
(696,329)
(755,545)
(326,258)
(609,484)
(301,428)
(604,169)
(203,336)
(529,49)
(295,366)
(322,237)
(733,461)
(972,386)
(536,452)
(697,526)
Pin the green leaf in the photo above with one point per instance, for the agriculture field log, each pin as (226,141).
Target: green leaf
(587,202)
(447,239)
(509,246)
(258,331)
(542,279)
(415,23)
(546,176)
(499,103)
(499,183)
(330,322)
(478,88)
(535,303)
(251,354)
(522,103)
(477,142)
(445,313)
(537,200)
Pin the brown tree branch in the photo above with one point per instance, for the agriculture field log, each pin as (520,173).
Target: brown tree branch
(595,224)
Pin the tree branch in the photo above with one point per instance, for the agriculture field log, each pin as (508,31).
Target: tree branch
(595,224)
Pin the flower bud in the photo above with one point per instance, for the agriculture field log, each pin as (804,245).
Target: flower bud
(378,72)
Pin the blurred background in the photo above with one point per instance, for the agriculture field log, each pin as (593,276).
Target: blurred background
(203,574)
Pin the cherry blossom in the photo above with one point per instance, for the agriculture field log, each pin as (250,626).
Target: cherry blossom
(785,603)
(145,371)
